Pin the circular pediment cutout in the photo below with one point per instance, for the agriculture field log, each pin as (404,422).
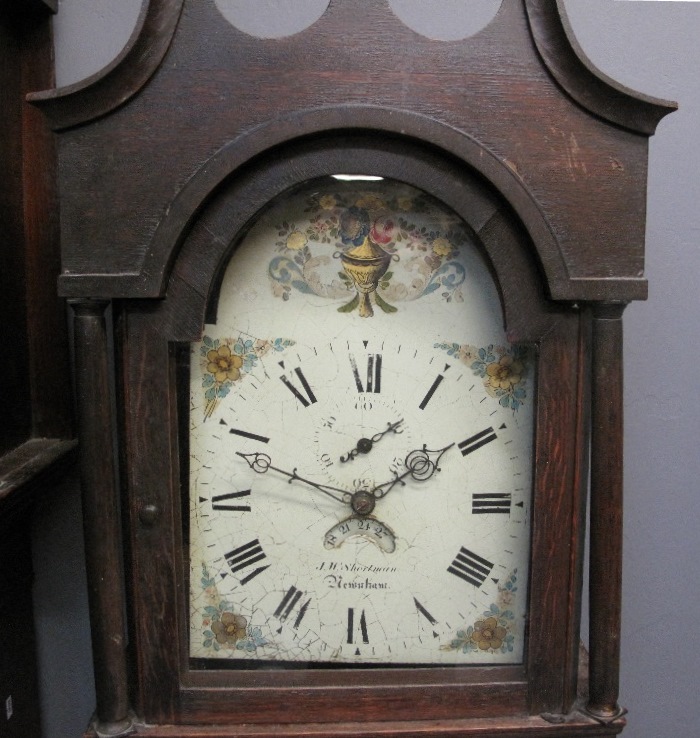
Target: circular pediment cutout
(271,18)
(449,20)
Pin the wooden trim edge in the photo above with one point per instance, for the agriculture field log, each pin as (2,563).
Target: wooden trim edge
(120,80)
(567,62)
(574,725)
(31,462)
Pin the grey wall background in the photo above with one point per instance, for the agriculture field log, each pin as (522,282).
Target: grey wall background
(651,46)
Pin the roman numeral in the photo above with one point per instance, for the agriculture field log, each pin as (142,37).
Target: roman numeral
(306,395)
(246,434)
(374,373)
(426,615)
(433,387)
(287,605)
(470,567)
(491,502)
(477,441)
(244,556)
(353,626)
(220,502)
(424,612)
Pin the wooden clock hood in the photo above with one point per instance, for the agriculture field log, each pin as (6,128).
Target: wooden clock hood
(512,124)
(191,101)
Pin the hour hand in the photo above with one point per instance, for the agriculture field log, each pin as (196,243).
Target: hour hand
(420,466)
(364,445)
(262,463)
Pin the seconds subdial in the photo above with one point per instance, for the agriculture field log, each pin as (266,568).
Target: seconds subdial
(358,439)
(365,445)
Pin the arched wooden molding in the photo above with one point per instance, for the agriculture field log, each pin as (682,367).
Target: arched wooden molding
(582,80)
(203,247)
(380,129)
(120,80)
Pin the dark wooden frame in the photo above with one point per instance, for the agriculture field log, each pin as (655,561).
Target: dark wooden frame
(34,373)
(513,128)
(548,681)
(37,447)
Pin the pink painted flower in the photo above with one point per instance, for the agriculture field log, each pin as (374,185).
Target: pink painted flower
(383,231)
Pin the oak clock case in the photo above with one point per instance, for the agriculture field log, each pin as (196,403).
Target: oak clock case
(360,443)
(351,432)
(353,420)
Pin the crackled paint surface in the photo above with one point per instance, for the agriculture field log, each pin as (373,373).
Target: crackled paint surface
(360,479)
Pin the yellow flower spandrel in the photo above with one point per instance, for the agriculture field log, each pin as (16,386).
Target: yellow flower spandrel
(223,364)
(488,634)
(230,629)
(505,373)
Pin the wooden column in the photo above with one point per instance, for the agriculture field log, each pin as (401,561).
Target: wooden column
(101,516)
(606,512)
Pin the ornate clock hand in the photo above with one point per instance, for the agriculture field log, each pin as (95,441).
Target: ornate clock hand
(419,466)
(364,445)
(260,463)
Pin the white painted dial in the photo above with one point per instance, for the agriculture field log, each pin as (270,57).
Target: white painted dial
(360,467)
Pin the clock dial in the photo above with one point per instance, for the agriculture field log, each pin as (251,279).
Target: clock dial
(360,443)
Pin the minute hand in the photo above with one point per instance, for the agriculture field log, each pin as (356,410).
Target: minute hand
(260,463)
(419,466)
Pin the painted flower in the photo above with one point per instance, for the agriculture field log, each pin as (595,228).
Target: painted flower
(383,230)
(467,353)
(505,597)
(442,247)
(296,240)
(327,202)
(320,229)
(223,364)
(488,634)
(252,643)
(505,373)
(354,226)
(404,203)
(230,628)
(371,202)
(210,594)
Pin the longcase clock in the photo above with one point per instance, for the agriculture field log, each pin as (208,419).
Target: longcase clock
(362,302)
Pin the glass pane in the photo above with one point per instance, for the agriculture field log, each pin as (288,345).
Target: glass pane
(360,444)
